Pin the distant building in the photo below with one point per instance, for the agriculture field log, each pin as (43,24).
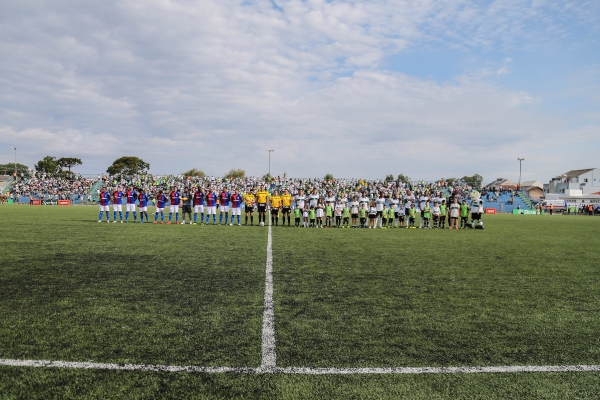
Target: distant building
(533,189)
(502,183)
(577,182)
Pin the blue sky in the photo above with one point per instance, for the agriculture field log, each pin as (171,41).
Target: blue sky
(426,88)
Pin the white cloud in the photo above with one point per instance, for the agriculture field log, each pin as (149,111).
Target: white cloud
(211,84)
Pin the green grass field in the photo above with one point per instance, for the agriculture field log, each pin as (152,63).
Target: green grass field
(524,291)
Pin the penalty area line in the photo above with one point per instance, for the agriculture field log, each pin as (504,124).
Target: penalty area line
(301,371)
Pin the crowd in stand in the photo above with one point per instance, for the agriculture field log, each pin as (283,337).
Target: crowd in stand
(53,188)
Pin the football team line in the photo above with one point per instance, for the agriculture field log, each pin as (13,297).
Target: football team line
(269,354)
(310,211)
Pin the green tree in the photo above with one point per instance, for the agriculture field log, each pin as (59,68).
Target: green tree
(9,169)
(267,177)
(449,181)
(235,174)
(329,177)
(475,180)
(403,178)
(389,178)
(195,172)
(128,165)
(48,165)
(68,162)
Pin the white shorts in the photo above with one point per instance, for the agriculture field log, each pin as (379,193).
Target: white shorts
(117,207)
(159,210)
(199,209)
(174,209)
(236,210)
(224,209)
(319,213)
(130,207)
(143,209)
(211,210)
(104,208)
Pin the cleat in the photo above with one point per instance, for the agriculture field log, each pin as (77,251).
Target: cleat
(168,223)
(195,223)
(176,223)
(121,221)
(100,221)
(230,224)
(155,222)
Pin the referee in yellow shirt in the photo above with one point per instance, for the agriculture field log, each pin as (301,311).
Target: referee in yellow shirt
(275,205)
(261,200)
(249,200)
(286,206)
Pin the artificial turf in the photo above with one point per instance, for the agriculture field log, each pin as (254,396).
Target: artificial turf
(521,292)
(524,291)
(74,289)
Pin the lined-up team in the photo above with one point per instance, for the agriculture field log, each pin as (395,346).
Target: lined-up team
(308,210)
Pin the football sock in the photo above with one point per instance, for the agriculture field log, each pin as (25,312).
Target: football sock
(239,219)
(100,217)
(115,215)
(170,216)
(156,216)
(195,217)
(126,215)
(134,215)
(177,217)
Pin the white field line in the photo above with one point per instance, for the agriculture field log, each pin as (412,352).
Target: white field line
(269,356)
(303,371)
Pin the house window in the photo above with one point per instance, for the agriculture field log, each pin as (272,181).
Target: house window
(585,180)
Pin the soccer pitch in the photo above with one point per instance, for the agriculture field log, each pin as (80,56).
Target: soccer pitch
(143,311)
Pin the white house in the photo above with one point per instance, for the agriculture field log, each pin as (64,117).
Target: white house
(575,183)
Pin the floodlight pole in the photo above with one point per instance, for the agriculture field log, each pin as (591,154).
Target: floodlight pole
(15,149)
(270,151)
(520,161)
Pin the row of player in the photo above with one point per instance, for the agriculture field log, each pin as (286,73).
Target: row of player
(327,212)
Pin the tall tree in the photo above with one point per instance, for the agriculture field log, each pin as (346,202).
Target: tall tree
(68,162)
(403,178)
(475,180)
(195,172)
(389,178)
(128,165)
(235,174)
(48,165)
(9,169)
(267,177)
(329,177)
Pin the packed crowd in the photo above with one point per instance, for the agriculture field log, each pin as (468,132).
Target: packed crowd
(47,187)
(152,185)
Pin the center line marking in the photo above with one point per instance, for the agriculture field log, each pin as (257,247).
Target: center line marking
(269,356)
